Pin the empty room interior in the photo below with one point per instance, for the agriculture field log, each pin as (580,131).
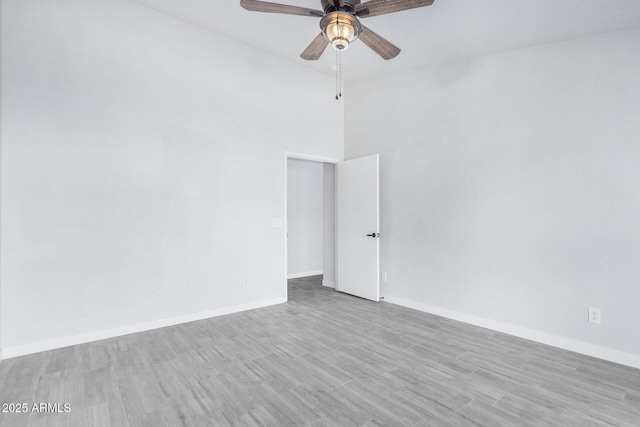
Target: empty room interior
(183,242)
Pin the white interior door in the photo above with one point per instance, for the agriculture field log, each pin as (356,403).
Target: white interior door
(357,222)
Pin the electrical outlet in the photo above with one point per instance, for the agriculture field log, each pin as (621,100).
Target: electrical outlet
(594,315)
(384,276)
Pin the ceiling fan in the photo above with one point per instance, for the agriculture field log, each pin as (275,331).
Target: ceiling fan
(340,23)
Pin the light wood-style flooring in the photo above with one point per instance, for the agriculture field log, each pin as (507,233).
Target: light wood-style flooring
(322,359)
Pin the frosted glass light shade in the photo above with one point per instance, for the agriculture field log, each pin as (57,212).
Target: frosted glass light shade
(340,29)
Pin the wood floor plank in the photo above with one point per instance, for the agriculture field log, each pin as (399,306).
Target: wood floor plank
(289,407)
(488,415)
(322,359)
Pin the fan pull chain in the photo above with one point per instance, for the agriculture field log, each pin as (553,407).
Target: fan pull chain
(338,75)
(340,71)
(336,71)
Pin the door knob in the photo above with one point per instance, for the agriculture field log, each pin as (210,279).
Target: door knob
(374,235)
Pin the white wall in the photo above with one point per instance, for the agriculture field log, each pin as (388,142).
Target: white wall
(304,218)
(329,225)
(511,189)
(1,98)
(141,169)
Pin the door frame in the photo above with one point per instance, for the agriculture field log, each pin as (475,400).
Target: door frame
(300,156)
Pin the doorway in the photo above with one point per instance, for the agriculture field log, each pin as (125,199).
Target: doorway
(356,248)
(309,225)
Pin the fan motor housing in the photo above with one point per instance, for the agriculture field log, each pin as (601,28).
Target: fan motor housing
(347,6)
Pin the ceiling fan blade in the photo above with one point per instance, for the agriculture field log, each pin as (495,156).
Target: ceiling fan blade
(378,44)
(315,49)
(263,6)
(381,7)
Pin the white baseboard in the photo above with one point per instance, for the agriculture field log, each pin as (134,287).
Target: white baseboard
(329,284)
(623,358)
(304,274)
(132,329)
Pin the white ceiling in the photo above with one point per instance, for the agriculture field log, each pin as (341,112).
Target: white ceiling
(447,30)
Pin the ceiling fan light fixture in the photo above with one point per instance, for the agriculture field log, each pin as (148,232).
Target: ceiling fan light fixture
(340,29)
